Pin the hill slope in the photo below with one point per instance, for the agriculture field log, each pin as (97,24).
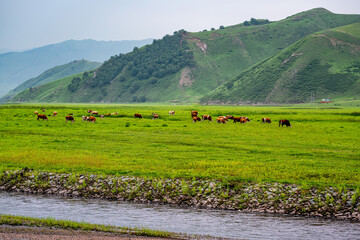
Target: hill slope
(186,66)
(17,67)
(326,64)
(52,74)
(55,91)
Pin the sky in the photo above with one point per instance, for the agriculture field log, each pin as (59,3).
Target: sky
(26,24)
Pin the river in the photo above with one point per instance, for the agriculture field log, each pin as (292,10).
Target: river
(217,223)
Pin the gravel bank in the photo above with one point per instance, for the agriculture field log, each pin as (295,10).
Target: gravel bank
(335,203)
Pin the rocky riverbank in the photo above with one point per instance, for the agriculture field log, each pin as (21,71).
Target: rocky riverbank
(335,203)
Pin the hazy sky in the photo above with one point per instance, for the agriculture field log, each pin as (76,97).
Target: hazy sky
(32,23)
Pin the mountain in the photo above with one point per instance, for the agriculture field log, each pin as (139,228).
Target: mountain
(17,67)
(185,66)
(325,64)
(55,91)
(54,73)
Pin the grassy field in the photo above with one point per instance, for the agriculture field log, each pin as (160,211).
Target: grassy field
(322,148)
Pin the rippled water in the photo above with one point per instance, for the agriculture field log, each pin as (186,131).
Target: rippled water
(229,224)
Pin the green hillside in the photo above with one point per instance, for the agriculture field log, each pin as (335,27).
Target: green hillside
(55,73)
(55,91)
(325,64)
(185,66)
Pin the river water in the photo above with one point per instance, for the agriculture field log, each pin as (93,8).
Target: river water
(217,223)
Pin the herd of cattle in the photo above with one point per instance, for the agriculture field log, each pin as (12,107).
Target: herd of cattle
(224,119)
(194,116)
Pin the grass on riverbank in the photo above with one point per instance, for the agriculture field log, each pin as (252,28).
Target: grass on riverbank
(67,224)
(321,148)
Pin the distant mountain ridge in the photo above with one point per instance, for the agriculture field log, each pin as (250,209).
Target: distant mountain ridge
(53,74)
(17,67)
(185,66)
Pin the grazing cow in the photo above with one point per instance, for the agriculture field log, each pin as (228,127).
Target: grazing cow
(42,116)
(36,113)
(240,119)
(207,117)
(84,118)
(196,119)
(230,116)
(114,113)
(155,116)
(137,115)
(108,114)
(266,120)
(194,114)
(94,113)
(246,118)
(221,120)
(91,119)
(284,122)
(171,112)
(69,118)
(226,119)
(54,114)
(89,111)
(236,119)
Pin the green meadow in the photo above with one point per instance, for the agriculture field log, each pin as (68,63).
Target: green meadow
(322,148)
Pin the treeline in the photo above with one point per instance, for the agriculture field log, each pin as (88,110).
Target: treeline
(254,21)
(163,57)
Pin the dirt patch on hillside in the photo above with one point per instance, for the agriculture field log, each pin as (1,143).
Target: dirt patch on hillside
(214,35)
(355,49)
(186,78)
(200,44)
(294,55)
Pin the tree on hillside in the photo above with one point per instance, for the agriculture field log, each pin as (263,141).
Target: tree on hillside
(246,23)
(253,21)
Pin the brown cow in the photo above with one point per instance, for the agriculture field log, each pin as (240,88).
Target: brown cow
(89,111)
(236,119)
(42,116)
(230,116)
(155,116)
(266,120)
(171,112)
(84,118)
(54,114)
(36,113)
(284,122)
(137,115)
(69,118)
(91,119)
(114,113)
(194,114)
(94,113)
(221,120)
(226,119)
(196,119)
(240,120)
(207,117)
(246,118)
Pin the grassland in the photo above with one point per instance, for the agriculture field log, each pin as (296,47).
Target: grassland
(67,224)
(322,147)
